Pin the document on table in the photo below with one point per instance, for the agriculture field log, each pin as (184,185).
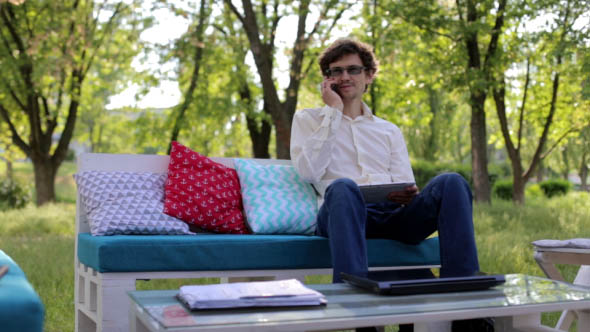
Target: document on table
(289,292)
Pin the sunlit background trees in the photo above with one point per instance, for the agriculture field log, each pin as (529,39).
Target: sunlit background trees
(499,89)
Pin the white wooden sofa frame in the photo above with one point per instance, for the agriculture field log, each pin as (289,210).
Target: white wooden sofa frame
(101,301)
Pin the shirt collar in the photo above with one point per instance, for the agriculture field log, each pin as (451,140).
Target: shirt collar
(367,111)
(367,114)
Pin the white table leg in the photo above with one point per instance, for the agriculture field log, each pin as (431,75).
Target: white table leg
(583,320)
(524,323)
(135,324)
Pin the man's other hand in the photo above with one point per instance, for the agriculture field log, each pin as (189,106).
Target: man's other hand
(403,196)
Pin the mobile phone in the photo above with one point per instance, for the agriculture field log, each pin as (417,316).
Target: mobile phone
(335,88)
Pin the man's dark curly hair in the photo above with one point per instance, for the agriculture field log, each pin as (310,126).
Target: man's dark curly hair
(346,46)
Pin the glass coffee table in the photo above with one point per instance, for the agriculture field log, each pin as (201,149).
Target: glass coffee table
(517,306)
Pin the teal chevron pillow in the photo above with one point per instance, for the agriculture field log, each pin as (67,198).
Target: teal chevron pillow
(276,199)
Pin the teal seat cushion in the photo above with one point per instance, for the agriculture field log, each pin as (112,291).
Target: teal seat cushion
(21,309)
(209,252)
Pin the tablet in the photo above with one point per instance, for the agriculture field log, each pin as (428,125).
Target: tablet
(373,282)
(377,193)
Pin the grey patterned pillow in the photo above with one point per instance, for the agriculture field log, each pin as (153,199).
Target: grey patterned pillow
(126,203)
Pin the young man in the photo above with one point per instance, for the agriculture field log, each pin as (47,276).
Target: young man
(343,145)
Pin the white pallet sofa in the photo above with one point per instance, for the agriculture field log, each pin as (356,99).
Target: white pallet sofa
(101,284)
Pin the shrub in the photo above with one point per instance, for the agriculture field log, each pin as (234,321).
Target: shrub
(71,156)
(503,189)
(533,191)
(424,171)
(13,195)
(555,187)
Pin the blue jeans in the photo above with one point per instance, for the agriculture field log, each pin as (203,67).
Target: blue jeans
(444,205)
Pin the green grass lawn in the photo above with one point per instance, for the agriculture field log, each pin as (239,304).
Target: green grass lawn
(41,241)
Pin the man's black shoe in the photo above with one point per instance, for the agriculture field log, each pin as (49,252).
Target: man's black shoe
(473,325)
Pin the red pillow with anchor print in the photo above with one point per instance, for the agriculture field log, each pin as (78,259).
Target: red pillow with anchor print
(203,193)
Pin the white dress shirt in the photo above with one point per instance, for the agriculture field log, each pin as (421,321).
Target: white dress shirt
(327,145)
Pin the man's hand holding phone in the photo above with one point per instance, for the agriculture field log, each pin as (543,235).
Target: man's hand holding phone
(330,95)
(404,196)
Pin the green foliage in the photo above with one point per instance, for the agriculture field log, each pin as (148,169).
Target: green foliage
(424,171)
(503,234)
(533,191)
(13,195)
(503,189)
(555,187)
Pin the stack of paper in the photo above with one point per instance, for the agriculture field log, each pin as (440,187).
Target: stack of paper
(250,294)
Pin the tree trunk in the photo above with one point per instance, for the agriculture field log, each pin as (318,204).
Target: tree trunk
(584,173)
(259,129)
(9,170)
(518,186)
(44,180)
(479,157)
(478,87)
(283,142)
(430,144)
(260,136)
(540,172)
(566,169)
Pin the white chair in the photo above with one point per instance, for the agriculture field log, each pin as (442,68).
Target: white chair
(572,251)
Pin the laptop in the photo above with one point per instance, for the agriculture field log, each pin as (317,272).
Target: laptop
(378,282)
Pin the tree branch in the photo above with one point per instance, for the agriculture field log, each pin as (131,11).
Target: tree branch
(15,136)
(496,32)
(28,22)
(459,11)
(542,140)
(522,107)
(188,95)
(275,24)
(235,11)
(499,93)
(109,26)
(15,97)
(11,29)
(556,143)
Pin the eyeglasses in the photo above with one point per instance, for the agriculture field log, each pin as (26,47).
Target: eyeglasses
(338,71)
